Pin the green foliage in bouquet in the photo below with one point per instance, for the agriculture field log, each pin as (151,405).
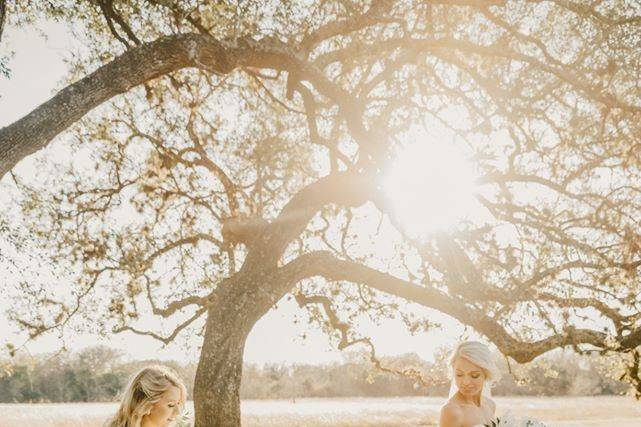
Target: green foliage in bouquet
(494,423)
(510,422)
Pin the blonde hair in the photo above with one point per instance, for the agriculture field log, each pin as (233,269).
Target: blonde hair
(480,355)
(143,391)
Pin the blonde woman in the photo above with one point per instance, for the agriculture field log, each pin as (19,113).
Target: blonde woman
(154,397)
(473,373)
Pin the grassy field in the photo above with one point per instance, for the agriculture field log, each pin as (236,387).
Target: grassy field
(352,412)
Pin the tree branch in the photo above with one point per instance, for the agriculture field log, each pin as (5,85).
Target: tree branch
(173,306)
(144,63)
(343,329)
(106,6)
(191,240)
(324,264)
(347,188)
(375,14)
(164,339)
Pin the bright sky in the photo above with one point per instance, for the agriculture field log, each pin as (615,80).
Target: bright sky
(37,68)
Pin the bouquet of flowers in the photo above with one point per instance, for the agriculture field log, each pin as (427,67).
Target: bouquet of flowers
(509,420)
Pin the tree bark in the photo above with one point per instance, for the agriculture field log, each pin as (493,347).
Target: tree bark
(219,372)
(3,9)
(218,377)
(147,62)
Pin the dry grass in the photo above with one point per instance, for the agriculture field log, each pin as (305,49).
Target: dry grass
(366,412)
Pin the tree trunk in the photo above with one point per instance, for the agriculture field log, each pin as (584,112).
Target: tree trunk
(218,377)
(2,15)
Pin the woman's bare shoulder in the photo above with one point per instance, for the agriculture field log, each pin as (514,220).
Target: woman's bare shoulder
(451,415)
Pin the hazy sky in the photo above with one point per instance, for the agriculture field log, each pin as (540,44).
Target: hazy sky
(37,68)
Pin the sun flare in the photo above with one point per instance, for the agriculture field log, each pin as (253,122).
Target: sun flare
(431,184)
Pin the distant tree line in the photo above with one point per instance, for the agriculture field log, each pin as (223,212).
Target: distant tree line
(556,374)
(100,373)
(91,375)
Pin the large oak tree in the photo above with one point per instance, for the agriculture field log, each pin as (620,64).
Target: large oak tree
(238,152)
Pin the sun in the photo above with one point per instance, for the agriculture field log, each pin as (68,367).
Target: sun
(431,184)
